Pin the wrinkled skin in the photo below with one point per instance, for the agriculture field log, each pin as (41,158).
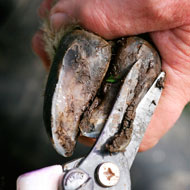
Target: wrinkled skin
(168,23)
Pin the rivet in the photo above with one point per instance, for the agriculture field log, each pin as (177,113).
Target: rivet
(108,174)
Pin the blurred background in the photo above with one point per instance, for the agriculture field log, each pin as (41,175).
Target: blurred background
(23,140)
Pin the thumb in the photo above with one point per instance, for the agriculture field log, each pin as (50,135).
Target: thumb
(115,18)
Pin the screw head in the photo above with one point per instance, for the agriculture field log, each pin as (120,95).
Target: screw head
(108,174)
(74,179)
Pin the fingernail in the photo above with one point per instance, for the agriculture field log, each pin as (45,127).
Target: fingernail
(59,20)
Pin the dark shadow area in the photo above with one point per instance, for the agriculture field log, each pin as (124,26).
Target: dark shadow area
(23,140)
(5,10)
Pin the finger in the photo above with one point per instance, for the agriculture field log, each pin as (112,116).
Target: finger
(174,47)
(117,18)
(38,47)
(59,20)
(87,141)
(45,7)
(43,179)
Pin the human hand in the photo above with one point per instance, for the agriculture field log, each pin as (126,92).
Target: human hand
(168,23)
